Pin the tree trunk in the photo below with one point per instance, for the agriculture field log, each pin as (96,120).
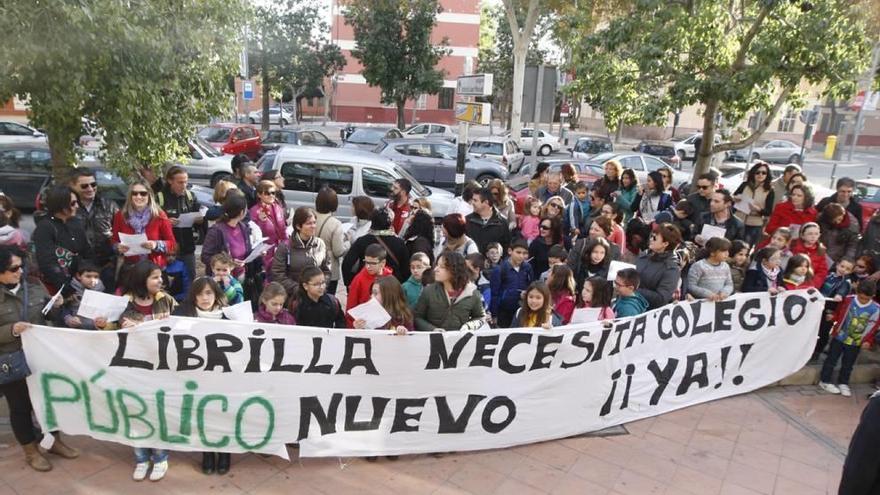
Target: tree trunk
(60,166)
(704,154)
(520,51)
(401,115)
(264,121)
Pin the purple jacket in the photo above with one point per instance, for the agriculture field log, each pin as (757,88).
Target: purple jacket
(215,243)
(282,318)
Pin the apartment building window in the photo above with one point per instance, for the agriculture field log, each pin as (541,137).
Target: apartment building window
(786,122)
(447,97)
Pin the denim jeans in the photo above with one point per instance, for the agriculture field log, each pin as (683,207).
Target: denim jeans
(836,350)
(143,455)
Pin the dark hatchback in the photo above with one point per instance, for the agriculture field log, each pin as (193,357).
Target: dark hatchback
(663,150)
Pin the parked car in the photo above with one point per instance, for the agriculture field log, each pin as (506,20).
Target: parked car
(350,173)
(867,191)
(432,130)
(206,165)
(685,148)
(663,150)
(433,162)
(14,132)
(276,138)
(233,139)
(498,148)
(276,116)
(642,164)
(585,168)
(366,138)
(775,151)
(587,147)
(26,168)
(732,175)
(547,143)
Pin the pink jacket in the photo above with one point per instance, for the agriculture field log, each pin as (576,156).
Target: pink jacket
(529,226)
(270,219)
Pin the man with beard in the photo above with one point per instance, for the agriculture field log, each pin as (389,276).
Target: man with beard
(399,203)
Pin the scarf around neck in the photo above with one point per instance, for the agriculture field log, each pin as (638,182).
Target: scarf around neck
(139,220)
(772,275)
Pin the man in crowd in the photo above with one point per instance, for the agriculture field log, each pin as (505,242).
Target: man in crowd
(485,225)
(247,182)
(720,215)
(554,187)
(699,199)
(399,203)
(96,214)
(176,200)
(844,197)
(780,185)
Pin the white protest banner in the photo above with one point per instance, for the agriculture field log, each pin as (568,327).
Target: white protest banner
(206,385)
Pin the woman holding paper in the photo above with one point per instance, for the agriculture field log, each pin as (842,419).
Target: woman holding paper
(388,292)
(141,230)
(754,201)
(796,211)
(21,304)
(230,235)
(269,217)
(303,249)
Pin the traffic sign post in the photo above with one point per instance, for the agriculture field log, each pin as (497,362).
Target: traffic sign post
(247,90)
(467,112)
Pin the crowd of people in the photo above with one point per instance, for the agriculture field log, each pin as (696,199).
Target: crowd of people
(485,264)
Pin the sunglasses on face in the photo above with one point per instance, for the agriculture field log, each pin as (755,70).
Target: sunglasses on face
(545,227)
(760,172)
(13,268)
(704,187)
(142,194)
(90,185)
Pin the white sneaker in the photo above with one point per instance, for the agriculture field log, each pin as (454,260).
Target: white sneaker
(845,390)
(140,471)
(829,387)
(159,470)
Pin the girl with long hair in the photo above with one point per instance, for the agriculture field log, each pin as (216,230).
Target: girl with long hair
(597,293)
(141,214)
(757,192)
(388,292)
(536,309)
(798,273)
(562,291)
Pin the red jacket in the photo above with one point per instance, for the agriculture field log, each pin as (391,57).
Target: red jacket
(784,215)
(817,259)
(159,229)
(360,289)
(563,305)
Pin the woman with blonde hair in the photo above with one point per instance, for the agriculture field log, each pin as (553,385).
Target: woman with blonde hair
(220,191)
(503,202)
(610,182)
(141,215)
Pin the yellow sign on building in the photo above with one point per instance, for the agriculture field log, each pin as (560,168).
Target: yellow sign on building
(475,113)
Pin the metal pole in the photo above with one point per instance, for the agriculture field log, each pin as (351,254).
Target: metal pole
(860,117)
(461,157)
(536,118)
(833,175)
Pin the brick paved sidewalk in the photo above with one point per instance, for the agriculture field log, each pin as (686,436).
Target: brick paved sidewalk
(784,440)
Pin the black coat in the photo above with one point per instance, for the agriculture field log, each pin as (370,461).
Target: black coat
(853,207)
(756,281)
(326,312)
(397,259)
(58,265)
(493,230)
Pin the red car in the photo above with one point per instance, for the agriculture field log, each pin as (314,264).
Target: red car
(519,186)
(868,193)
(233,139)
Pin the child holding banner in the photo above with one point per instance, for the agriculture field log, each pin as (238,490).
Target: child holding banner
(536,310)
(765,276)
(629,301)
(857,320)
(388,292)
(561,286)
(312,306)
(205,299)
(598,293)
(272,306)
(798,273)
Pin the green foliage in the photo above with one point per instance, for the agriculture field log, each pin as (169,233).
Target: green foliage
(731,57)
(395,49)
(146,71)
(286,51)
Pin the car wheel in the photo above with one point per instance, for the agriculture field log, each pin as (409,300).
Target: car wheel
(252,121)
(545,150)
(794,159)
(681,155)
(755,156)
(220,176)
(484,180)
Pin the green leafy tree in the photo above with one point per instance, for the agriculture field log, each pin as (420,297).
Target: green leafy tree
(146,72)
(394,47)
(730,57)
(286,51)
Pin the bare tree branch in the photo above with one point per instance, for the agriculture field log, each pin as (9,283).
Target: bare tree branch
(780,100)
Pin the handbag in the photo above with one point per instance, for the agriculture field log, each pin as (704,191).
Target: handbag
(13,365)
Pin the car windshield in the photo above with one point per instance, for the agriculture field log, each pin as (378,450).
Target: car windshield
(416,185)
(486,147)
(215,134)
(205,148)
(366,136)
(266,161)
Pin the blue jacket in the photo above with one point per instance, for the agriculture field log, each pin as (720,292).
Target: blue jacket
(836,285)
(633,305)
(507,285)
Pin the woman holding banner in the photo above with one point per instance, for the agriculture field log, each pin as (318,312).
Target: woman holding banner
(658,269)
(21,303)
(453,301)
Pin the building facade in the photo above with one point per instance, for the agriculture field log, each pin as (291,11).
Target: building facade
(352,100)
